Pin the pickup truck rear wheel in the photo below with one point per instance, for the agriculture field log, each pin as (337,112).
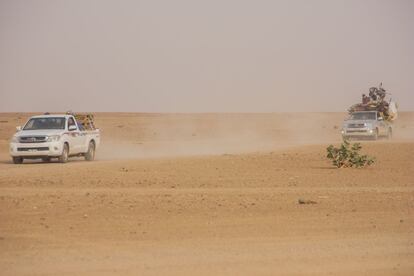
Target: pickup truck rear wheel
(17,160)
(63,158)
(90,154)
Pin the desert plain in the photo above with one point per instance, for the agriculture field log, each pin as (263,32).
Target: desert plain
(210,194)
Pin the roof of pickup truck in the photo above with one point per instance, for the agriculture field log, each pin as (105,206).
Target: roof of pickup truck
(52,116)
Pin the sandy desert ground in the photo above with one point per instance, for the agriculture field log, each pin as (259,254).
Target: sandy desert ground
(210,194)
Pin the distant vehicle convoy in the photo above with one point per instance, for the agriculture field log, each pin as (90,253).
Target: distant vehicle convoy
(55,136)
(366,124)
(62,136)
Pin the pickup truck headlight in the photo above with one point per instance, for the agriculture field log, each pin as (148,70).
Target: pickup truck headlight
(53,138)
(14,139)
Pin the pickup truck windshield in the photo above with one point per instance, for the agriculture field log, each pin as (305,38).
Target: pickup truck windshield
(363,116)
(45,123)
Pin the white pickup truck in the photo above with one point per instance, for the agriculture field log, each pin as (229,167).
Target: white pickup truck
(366,124)
(53,136)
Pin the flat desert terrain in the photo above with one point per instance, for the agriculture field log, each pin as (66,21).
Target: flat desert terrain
(210,194)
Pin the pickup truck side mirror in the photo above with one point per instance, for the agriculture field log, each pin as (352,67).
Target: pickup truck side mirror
(18,128)
(72,128)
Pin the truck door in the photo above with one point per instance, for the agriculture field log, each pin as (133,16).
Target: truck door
(81,138)
(382,126)
(75,137)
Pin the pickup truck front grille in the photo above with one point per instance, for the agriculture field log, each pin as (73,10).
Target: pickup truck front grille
(357,131)
(32,139)
(356,125)
(33,149)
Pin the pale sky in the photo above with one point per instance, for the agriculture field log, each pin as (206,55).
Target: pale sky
(203,56)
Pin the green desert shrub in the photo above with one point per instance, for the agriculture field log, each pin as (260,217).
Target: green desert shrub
(348,155)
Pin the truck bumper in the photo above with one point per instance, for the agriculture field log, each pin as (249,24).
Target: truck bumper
(35,150)
(358,133)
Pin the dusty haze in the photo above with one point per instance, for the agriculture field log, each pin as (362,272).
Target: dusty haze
(210,194)
(214,128)
(203,56)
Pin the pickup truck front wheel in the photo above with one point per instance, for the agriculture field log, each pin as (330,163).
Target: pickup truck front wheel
(90,154)
(63,158)
(17,160)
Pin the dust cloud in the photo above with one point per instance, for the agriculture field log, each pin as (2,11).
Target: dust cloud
(171,135)
(140,136)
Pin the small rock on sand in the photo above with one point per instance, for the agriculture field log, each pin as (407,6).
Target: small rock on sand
(306,201)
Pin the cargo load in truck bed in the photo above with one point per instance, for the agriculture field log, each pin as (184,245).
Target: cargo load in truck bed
(85,121)
(376,101)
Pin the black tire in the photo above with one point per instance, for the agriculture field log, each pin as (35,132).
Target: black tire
(90,154)
(389,133)
(46,159)
(63,158)
(17,160)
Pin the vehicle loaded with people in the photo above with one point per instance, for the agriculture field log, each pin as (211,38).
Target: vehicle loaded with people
(55,136)
(372,117)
